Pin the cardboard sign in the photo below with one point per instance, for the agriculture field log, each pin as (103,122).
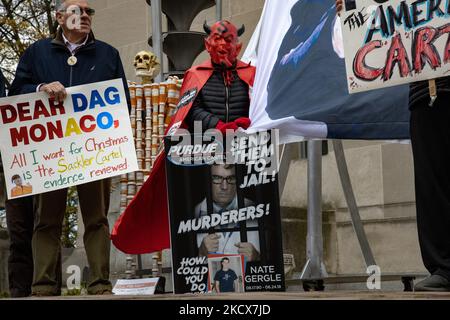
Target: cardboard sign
(224,203)
(388,43)
(136,287)
(46,145)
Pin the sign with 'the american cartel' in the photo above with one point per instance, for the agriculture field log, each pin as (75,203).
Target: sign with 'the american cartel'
(392,42)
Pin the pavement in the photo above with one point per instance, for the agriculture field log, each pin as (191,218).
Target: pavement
(315,295)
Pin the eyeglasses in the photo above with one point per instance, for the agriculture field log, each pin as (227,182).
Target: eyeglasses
(77,10)
(219,179)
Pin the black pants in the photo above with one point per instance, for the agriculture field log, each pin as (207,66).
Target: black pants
(430,137)
(20,220)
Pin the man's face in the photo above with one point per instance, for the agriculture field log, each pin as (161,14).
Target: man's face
(75,18)
(225,264)
(18,181)
(223,44)
(224,185)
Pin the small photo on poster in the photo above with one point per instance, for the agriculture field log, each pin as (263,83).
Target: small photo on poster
(225,273)
(19,188)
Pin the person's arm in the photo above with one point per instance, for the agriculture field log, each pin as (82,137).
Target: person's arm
(198,113)
(23,81)
(210,243)
(235,282)
(216,286)
(120,73)
(248,250)
(2,86)
(210,120)
(217,282)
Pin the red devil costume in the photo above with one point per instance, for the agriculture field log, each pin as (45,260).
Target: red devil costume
(216,93)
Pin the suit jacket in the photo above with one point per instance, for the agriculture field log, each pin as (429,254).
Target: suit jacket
(2,86)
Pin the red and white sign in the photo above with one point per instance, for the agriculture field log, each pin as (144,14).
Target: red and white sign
(47,145)
(388,43)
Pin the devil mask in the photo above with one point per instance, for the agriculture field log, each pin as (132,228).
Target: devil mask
(222,42)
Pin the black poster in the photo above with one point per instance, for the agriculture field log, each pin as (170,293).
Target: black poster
(224,213)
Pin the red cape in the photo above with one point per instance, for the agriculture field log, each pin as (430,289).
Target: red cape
(144,225)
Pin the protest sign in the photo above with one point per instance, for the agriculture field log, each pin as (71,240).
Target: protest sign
(47,145)
(392,42)
(223,200)
(135,287)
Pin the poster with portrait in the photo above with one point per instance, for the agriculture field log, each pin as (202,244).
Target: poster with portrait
(223,200)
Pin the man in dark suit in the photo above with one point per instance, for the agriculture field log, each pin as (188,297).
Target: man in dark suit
(73,57)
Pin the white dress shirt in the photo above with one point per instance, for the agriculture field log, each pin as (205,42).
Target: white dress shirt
(73,46)
(228,239)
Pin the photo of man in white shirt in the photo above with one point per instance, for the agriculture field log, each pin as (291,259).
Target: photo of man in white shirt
(226,239)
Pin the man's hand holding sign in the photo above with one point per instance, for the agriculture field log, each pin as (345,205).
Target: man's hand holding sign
(55,90)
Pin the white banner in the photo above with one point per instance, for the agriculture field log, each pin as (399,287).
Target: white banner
(263,52)
(47,146)
(392,42)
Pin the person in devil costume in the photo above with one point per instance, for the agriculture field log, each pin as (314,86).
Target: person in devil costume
(215,94)
(223,101)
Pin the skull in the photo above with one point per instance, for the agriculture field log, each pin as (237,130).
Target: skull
(146,64)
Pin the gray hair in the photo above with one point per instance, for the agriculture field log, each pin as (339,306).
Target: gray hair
(59,5)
